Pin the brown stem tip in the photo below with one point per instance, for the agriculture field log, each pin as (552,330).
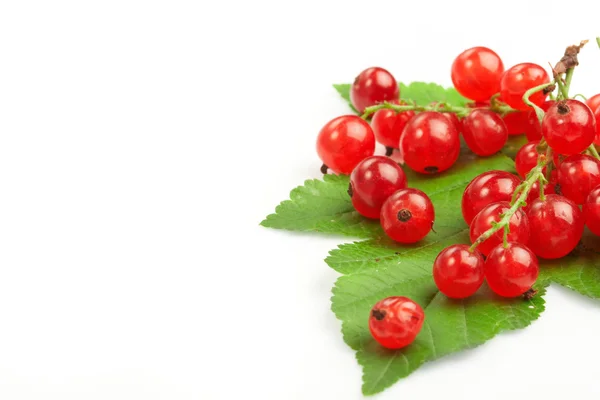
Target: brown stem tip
(530,294)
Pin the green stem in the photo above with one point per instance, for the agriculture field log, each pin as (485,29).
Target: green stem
(563,92)
(441,107)
(538,111)
(593,150)
(598,41)
(568,79)
(535,175)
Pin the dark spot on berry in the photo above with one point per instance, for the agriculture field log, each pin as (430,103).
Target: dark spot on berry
(378,314)
(431,170)
(557,189)
(530,294)
(350,190)
(324,169)
(389,151)
(563,108)
(404,215)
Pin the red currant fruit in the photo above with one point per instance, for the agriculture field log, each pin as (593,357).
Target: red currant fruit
(457,272)
(558,225)
(430,143)
(533,128)
(569,127)
(388,125)
(487,188)
(476,73)
(593,102)
(344,142)
(371,183)
(519,79)
(526,158)
(518,224)
(454,119)
(549,188)
(373,85)
(597,118)
(516,122)
(407,216)
(396,321)
(484,132)
(577,176)
(591,211)
(511,271)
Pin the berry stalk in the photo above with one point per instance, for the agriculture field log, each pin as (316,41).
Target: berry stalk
(519,200)
(495,106)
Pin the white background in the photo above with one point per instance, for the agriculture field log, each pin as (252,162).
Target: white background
(143,141)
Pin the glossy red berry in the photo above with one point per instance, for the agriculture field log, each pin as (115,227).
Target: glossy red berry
(597,118)
(511,271)
(454,119)
(577,176)
(519,79)
(516,122)
(457,272)
(518,224)
(430,143)
(396,321)
(557,224)
(533,127)
(591,211)
(487,188)
(484,132)
(527,158)
(594,102)
(388,126)
(371,183)
(344,142)
(476,73)
(373,85)
(569,127)
(407,216)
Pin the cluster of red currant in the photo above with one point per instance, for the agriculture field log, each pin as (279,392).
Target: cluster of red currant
(512,220)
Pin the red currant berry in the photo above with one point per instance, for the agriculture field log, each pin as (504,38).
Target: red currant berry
(516,122)
(457,272)
(526,158)
(373,85)
(454,119)
(577,176)
(344,142)
(518,224)
(591,211)
(593,102)
(569,127)
(549,188)
(396,321)
(558,225)
(533,128)
(519,79)
(407,216)
(476,73)
(511,271)
(430,143)
(484,132)
(388,125)
(597,118)
(371,183)
(487,188)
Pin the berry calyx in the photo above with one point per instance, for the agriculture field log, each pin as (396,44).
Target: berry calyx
(388,125)
(430,143)
(577,176)
(396,321)
(344,142)
(526,158)
(512,270)
(558,226)
(591,211)
(484,132)
(476,73)
(457,272)
(518,225)
(569,127)
(407,216)
(372,181)
(519,79)
(373,85)
(487,188)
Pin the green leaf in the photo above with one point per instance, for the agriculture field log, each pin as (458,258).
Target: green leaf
(324,205)
(420,92)
(450,325)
